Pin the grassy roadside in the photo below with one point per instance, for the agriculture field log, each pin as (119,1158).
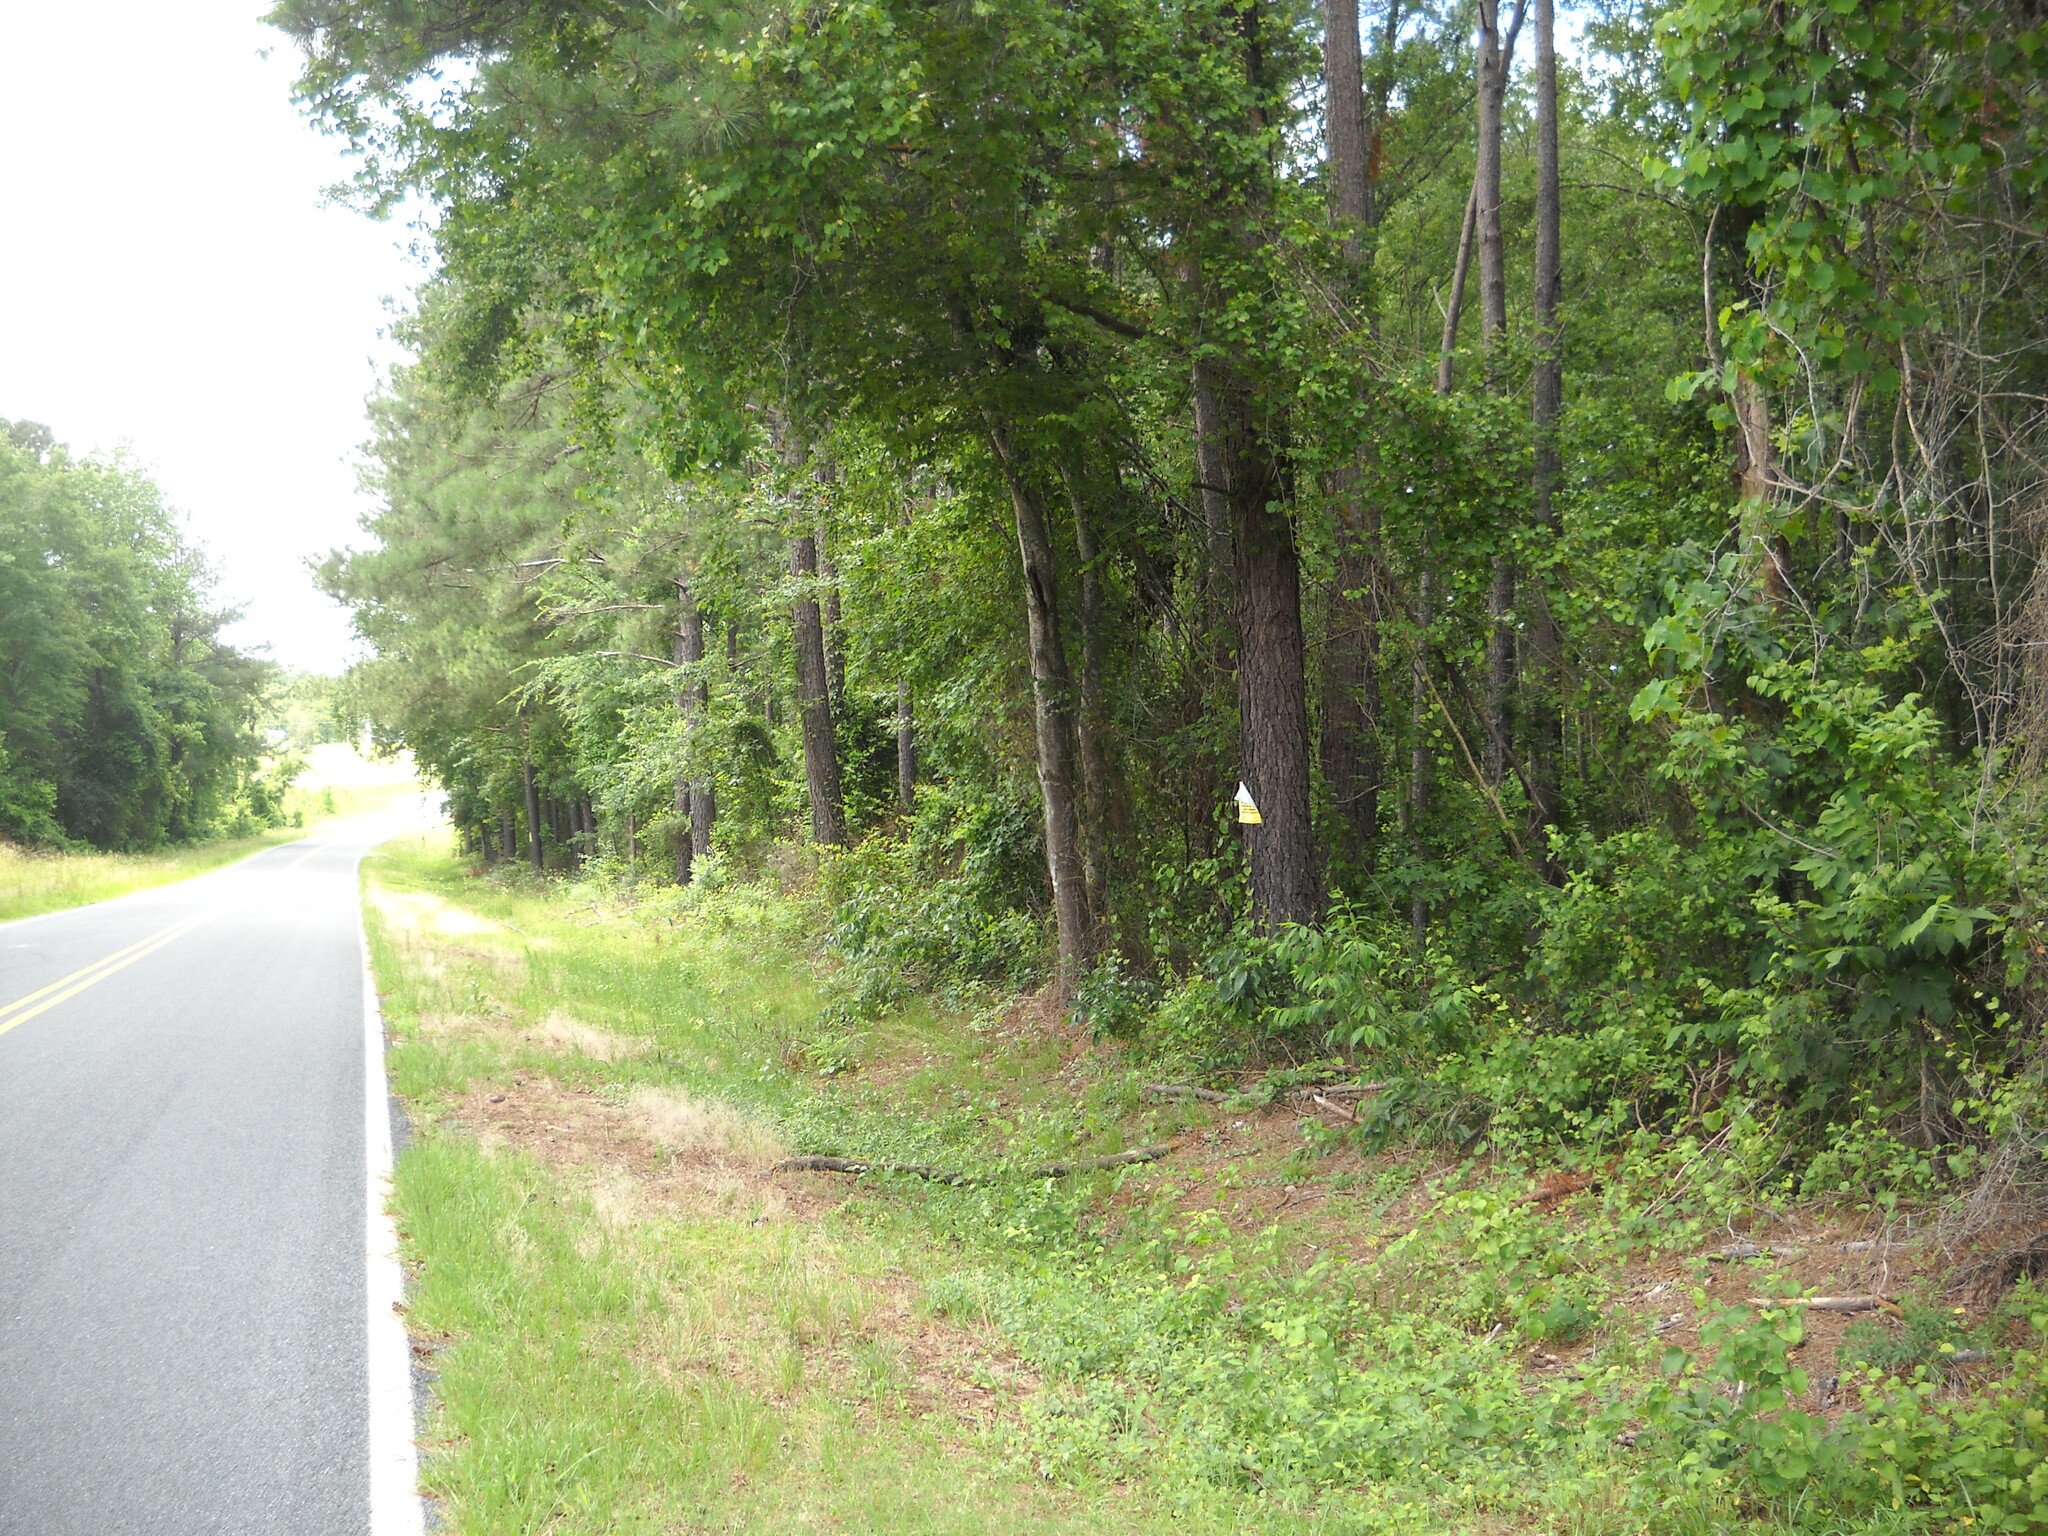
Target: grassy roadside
(33,882)
(638,1326)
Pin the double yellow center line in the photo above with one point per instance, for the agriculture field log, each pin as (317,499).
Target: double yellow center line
(22,1009)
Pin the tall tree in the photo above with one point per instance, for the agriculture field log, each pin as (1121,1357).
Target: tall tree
(814,697)
(1544,727)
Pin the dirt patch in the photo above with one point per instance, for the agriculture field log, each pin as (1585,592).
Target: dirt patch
(610,1143)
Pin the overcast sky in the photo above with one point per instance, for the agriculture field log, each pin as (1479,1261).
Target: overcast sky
(172,281)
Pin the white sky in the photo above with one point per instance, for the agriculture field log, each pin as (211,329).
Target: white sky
(169,279)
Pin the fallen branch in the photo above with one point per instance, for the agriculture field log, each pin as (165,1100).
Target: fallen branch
(1747,1250)
(1184,1091)
(859,1165)
(1830,1303)
(1335,1108)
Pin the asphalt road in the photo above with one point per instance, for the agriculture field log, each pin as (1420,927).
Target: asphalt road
(183,1207)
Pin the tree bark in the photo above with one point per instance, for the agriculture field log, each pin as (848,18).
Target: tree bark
(1344,127)
(1272,675)
(1454,306)
(694,699)
(906,749)
(1545,724)
(1764,555)
(814,699)
(1092,722)
(1349,744)
(533,851)
(685,840)
(1053,707)
(1495,53)
(1418,751)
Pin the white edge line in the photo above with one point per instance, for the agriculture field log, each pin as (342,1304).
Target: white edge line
(396,1508)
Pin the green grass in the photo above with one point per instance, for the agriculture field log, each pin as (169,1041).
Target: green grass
(1158,1350)
(33,882)
(705,1370)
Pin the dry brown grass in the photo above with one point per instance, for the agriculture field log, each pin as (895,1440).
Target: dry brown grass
(687,1126)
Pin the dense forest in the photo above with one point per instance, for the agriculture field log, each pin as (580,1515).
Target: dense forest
(126,722)
(1501,549)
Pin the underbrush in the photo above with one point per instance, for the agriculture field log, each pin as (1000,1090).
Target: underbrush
(1297,1321)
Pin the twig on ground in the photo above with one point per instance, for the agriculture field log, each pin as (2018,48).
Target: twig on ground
(858,1165)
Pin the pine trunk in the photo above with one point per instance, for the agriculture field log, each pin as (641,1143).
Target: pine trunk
(1349,744)
(694,698)
(1545,724)
(533,849)
(1053,708)
(1092,721)
(814,699)
(1272,675)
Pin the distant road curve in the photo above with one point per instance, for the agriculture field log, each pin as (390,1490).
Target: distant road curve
(196,1287)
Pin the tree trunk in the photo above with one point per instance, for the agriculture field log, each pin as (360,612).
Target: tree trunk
(1454,306)
(1053,703)
(509,829)
(1344,127)
(1764,555)
(1418,751)
(686,842)
(1545,724)
(814,699)
(906,750)
(1495,52)
(694,698)
(1272,676)
(532,817)
(1493,86)
(1349,743)
(1092,721)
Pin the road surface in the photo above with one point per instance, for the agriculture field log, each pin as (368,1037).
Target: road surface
(190,1259)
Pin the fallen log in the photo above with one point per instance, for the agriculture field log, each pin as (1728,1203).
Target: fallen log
(860,1165)
(1829,1303)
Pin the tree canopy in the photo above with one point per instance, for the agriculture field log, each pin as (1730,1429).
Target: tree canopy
(1591,505)
(125,721)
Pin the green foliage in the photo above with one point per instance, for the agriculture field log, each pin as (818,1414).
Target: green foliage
(900,927)
(125,722)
